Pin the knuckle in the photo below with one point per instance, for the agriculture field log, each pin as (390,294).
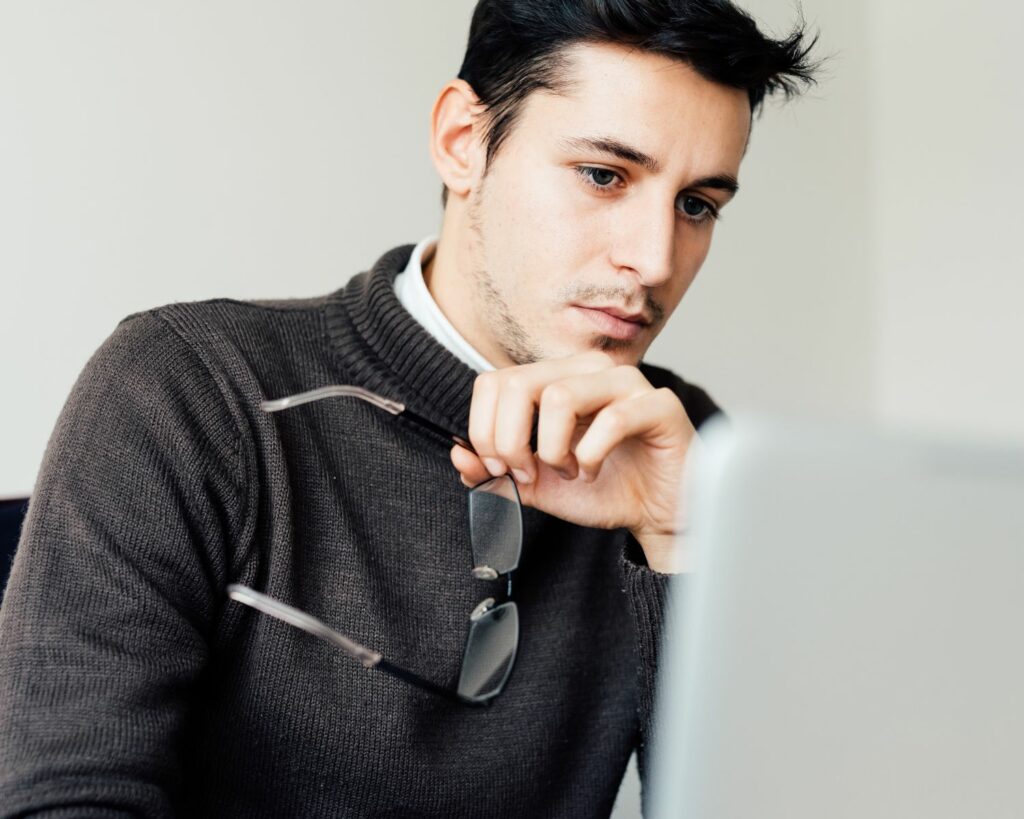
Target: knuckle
(484,381)
(668,397)
(517,383)
(632,375)
(614,420)
(556,395)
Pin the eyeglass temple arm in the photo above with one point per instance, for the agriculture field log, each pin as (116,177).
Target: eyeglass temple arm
(308,623)
(394,407)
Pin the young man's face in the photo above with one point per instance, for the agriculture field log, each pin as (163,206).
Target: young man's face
(559,226)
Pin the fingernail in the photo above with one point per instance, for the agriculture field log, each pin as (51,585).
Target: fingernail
(521,476)
(494,466)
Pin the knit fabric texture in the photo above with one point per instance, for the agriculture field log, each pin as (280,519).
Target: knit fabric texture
(131,685)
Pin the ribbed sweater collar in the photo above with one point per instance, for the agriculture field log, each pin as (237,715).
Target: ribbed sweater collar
(383,348)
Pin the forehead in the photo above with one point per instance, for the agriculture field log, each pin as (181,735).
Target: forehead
(657,103)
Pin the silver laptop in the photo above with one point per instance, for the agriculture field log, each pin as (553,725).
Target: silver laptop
(851,641)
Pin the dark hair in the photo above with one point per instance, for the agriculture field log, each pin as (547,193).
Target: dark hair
(516,47)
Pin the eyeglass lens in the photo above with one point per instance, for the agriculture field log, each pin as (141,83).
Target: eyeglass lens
(496,534)
(490,652)
(496,525)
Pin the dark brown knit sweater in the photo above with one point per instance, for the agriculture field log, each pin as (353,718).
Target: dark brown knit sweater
(130,684)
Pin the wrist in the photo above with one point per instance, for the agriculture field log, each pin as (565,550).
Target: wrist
(666,552)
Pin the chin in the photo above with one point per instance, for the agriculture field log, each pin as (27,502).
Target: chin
(623,352)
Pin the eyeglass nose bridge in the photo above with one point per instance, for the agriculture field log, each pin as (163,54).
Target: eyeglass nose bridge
(481,609)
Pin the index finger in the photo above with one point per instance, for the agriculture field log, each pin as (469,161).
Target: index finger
(504,400)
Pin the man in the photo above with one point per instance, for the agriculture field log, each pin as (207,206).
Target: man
(586,150)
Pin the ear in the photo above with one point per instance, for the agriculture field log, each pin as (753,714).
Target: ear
(455,143)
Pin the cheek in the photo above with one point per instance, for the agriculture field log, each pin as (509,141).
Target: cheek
(692,252)
(694,243)
(547,228)
(695,248)
(548,211)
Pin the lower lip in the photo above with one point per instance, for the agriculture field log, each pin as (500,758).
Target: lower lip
(611,326)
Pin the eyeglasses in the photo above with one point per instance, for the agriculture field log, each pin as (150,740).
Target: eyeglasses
(496,536)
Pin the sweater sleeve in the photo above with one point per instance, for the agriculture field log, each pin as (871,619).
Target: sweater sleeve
(106,619)
(647,591)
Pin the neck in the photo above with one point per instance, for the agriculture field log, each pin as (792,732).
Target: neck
(449,280)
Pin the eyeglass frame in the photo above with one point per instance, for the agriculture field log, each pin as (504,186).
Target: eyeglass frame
(369,658)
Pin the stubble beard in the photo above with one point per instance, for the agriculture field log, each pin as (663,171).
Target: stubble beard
(509,333)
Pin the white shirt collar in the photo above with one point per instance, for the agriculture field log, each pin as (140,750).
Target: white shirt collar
(412,292)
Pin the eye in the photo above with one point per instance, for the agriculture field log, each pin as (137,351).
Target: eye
(698,210)
(600,178)
(694,209)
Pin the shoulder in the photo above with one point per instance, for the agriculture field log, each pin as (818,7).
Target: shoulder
(145,374)
(249,340)
(698,404)
(209,358)
(238,318)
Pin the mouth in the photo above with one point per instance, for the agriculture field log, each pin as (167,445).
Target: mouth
(613,322)
(619,313)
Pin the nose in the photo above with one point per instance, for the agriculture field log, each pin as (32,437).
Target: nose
(645,242)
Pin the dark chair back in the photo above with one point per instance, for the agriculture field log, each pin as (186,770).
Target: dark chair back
(12,514)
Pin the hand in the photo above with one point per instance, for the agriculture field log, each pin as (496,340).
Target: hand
(610,447)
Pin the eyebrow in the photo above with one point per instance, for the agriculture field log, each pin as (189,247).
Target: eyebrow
(627,153)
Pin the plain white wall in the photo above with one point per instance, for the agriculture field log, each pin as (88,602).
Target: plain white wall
(947,214)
